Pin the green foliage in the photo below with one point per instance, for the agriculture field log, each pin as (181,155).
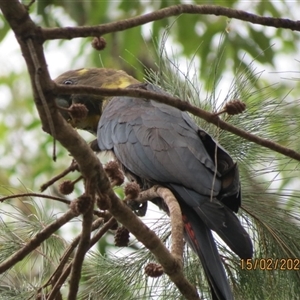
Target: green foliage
(20,221)
(114,277)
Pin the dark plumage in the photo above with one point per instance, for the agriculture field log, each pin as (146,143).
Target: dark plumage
(159,144)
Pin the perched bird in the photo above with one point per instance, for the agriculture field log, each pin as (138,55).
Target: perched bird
(159,144)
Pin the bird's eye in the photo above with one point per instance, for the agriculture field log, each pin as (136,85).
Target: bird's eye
(68,82)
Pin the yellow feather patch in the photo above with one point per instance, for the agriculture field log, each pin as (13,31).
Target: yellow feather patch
(120,82)
(82,71)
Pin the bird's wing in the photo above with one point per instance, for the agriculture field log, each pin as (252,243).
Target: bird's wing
(161,144)
(154,141)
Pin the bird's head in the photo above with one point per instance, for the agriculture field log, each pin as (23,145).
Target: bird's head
(93,77)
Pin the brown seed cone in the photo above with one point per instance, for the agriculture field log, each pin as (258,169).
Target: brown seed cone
(132,190)
(81,204)
(154,270)
(99,43)
(122,237)
(66,187)
(235,107)
(78,111)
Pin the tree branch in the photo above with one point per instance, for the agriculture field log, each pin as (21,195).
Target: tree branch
(35,195)
(184,106)
(171,265)
(32,37)
(65,257)
(100,30)
(174,212)
(98,213)
(88,163)
(73,167)
(36,241)
(67,270)
(83,246)
(176,221)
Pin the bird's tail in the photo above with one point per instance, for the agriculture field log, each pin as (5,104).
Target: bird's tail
(225,223)
(200,238)
(218,217)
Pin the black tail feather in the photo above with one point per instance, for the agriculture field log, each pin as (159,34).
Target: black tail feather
(228,228)
(202,242)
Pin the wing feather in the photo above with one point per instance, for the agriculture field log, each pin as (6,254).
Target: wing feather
(161,144)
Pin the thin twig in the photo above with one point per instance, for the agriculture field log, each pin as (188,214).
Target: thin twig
(101,214)
(29,4)
(175,10)
(40,91)
(35,195)
(146,195)
(73,167)
(60,282)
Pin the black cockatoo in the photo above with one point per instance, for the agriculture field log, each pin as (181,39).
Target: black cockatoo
(159,144)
